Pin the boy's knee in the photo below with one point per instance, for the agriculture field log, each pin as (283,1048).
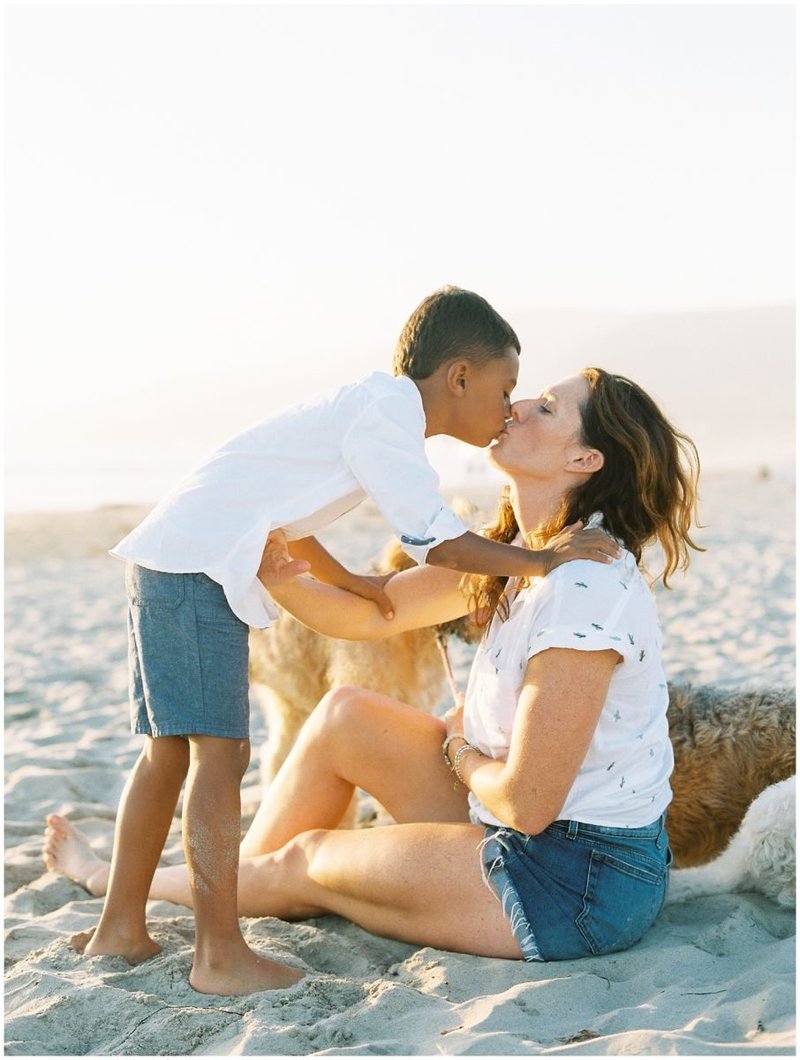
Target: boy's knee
(169,751)
(219,752)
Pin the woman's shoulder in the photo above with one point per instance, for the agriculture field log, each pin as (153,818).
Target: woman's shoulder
(592,606)
(586,576)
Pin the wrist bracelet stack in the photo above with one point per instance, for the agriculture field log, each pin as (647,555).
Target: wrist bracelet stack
(457,760)
(446,746)
(454,764)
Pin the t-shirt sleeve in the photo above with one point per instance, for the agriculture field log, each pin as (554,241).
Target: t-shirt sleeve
(385,450)
(586,606)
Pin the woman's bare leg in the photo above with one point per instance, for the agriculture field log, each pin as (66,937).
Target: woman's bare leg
(357,738)
(420,883)
(68,851)
(420,880)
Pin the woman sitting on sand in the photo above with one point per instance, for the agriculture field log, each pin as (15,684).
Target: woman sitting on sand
(551,783)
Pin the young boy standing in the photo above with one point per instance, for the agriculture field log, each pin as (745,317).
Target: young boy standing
(193,592)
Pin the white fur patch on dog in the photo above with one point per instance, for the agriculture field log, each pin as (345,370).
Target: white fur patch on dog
(760,857)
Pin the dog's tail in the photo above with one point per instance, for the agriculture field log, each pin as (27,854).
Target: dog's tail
(760,857)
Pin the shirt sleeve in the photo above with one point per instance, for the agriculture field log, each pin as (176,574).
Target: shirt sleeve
(385,450)
(587,606)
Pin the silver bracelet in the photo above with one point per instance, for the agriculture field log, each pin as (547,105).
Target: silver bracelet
(457,760)
(446,746)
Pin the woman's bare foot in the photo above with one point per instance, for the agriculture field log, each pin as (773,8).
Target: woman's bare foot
(68,851)
(133,950)
(248,974)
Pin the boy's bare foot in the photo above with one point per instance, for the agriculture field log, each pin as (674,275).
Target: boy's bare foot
(133,950)
(68,851)
(249,974)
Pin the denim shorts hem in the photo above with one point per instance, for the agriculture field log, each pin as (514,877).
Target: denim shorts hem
(201,729)
(498,880)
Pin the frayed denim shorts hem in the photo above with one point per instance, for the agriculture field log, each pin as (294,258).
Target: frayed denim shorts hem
(577,890)
(187,657)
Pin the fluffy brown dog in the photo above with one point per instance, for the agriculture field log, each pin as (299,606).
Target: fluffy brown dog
(728,746)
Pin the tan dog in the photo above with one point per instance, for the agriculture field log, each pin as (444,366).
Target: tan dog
(295,667)
(728,746)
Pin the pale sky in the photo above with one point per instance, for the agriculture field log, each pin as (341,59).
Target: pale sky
(213,210)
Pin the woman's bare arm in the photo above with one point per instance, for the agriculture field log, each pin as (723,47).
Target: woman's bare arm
(422,596)
(559,707)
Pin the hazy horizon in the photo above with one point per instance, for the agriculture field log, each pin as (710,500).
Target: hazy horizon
(725,377)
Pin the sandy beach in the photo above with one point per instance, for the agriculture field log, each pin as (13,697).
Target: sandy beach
(714,976)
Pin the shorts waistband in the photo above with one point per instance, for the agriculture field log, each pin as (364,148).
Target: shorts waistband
(573,829)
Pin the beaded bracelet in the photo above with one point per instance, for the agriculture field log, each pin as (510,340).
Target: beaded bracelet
(457,760)
(446,746)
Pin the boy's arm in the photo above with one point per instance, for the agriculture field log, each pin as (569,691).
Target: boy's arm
(385,450)
(422,596)
(477,555)
(325,568)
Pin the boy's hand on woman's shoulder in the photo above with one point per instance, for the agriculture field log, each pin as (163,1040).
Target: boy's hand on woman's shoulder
(573,542)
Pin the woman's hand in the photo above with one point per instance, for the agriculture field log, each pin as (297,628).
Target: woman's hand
(277,566)
(454,718)
(573,542)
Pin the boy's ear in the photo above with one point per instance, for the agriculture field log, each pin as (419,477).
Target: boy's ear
(456,377)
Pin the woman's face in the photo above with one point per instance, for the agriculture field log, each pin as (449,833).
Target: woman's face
(542,438)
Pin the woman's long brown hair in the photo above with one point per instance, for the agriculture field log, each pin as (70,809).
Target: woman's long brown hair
(646,488)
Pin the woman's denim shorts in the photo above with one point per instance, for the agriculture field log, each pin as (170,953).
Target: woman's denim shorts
(187,656)
(578,890)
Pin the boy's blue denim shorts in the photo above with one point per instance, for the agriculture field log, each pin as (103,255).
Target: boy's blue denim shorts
(187,657)
(578,890)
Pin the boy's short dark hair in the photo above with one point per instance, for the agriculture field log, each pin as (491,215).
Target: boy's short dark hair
(451,323)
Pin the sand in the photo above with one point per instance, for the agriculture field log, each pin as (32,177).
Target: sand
(714,976)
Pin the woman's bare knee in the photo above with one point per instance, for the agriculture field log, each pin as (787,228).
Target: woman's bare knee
(281,883)
(341,710)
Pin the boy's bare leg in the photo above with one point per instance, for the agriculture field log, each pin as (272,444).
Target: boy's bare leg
(223,962)
(145,813)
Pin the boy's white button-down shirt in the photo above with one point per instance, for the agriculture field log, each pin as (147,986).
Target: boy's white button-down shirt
(299,471)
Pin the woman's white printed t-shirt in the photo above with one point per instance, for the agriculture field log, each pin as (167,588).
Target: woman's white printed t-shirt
(624,779)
